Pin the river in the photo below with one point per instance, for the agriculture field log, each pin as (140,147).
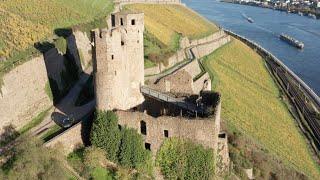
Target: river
(268,25)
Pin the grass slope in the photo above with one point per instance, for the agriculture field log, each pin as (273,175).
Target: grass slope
(25,22)
(251,103)
(165,21)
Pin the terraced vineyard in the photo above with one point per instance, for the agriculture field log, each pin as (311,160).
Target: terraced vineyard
(24,22)
(161,21)
(251,104)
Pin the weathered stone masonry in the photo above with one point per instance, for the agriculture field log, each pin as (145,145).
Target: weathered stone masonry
(119,62)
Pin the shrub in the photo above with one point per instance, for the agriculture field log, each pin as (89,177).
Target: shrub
(31,160)
(76,158)
(105,133)
(94,157)
(132,154)
(100,173)
(180,159)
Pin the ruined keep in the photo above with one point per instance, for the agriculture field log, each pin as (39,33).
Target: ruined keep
(118,62)
(179,105)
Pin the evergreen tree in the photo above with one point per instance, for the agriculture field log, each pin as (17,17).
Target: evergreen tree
(132,153)
(105,133)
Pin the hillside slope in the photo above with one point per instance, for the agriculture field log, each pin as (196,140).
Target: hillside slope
(25,22)
(161,21)
(251,104)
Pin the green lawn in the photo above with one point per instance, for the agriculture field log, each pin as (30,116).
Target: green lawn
(251,103)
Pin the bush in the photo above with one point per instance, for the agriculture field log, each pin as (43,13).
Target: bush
(180,159)
(31,160)
(132,154)
(105,133)
(94,157)
(125,146)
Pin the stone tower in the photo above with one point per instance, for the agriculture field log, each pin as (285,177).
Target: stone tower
(118,58)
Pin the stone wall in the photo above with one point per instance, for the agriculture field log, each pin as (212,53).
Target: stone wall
(205,49)
(202,131)
(152,70)
(69,139)
(223,159)
(200,48)
(203,83)
(176,58)
(23,93)
(179,82)
(80,48)
(192,68)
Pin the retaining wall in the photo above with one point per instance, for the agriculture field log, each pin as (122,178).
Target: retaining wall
(23,93)
(200,48)
(69,139)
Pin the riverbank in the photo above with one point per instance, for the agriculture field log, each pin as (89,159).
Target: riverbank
(300,11)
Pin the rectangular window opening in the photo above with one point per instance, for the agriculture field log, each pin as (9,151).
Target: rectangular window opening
(166,133)
(147,146)
(113,20)
(121,21)
(133,22)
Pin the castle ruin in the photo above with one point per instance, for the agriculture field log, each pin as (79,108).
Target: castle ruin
(180,104)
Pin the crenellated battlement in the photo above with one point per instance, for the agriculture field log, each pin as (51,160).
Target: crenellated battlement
(118,62)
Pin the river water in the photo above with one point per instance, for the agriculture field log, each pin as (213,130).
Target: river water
(268,25)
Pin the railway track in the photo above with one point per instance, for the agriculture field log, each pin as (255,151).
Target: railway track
(300,101)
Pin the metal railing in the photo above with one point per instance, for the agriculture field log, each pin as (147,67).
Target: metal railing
(166,98)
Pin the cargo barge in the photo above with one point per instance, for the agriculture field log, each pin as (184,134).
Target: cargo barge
(292,41)
(249,19)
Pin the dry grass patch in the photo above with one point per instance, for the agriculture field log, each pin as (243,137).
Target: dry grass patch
(251,103)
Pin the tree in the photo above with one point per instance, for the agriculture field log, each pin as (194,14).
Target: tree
(105,133)
(132,153)
(180,159)
(171,159)
(31,160)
